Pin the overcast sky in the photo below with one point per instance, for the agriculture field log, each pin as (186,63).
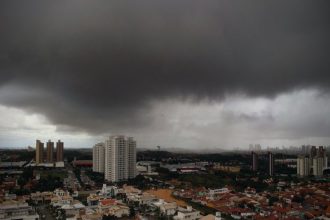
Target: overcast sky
(188,74)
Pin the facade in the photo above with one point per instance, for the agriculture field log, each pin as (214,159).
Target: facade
(50,152)
(98,158)
(59,151)
(254,161)
(120,158)
(39,152)
(270,163)
(314,164)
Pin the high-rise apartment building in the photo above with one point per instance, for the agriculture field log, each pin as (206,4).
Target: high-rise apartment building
(314,164)
(39,152)
(120,158)
(131,144)
(59,151)
(305,149)
(99,157)
(303,165)
(254,161)
(50,152)
(313,152)
(270,163)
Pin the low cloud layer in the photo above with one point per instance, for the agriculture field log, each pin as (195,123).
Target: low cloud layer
(100,67)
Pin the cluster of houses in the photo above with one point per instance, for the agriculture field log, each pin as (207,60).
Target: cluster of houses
(146,204)
(309,201)
(109,201)
(291,201)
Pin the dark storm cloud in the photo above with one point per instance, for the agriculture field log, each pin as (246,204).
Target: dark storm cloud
(82,63)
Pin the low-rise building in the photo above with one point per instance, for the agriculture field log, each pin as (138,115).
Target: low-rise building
(187,214)
(73,209)
(93,200)
(168,208)
(111,207)
(13,210)
(109,191)
(61,198)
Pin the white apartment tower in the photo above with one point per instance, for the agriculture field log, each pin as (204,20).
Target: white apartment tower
(99,158)
(120,158)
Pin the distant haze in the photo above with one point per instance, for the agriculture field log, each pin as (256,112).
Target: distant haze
(188,74)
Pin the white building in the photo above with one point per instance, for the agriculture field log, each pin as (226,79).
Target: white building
(99,157)
(168,208)
(187,214)
(108,191)
(120,158)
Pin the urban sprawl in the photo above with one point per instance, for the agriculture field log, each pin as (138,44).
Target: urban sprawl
(115,181)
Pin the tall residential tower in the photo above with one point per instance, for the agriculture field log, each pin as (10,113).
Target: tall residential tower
(98,158)
(50,152)
(270,163)
(254,161)
(120,158)
(39,152)
(59,151)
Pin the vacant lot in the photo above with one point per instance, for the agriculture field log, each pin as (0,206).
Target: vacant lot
(166,194)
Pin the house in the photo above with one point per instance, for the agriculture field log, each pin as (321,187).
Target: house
(93,200)
(74,209)
(111,207)
(187,214)
(118,211)
(109,191)
(168,208)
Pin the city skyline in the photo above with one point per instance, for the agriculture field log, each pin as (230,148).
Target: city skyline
(189,75)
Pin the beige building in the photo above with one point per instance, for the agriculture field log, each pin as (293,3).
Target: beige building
(14,210)
(50,152)
(303,166)
(39,152)
(99,158)
(120,158)
(59,151)
(131,143)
